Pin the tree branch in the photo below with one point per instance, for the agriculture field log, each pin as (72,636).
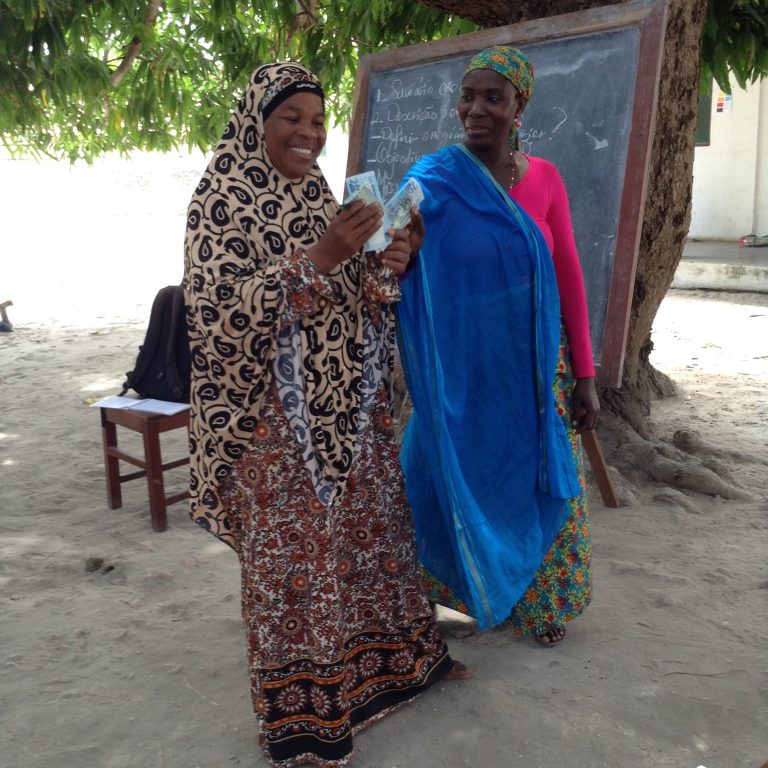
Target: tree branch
(153,9)
(304,18)
(308,9)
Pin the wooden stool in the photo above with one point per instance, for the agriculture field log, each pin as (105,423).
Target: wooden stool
(150,425)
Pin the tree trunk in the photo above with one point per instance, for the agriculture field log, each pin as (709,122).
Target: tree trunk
(667,211)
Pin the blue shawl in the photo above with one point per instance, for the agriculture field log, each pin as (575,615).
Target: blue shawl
(487,463)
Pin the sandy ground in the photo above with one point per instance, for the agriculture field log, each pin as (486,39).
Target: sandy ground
(142,662)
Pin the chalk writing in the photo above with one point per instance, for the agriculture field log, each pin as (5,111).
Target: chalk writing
(394,90)
(419,114)
(397,134)
(564,118)
(448,88)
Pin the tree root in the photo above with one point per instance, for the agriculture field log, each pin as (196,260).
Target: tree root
(672,465)
(689,441)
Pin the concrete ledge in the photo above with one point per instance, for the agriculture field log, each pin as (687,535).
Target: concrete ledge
(721,277)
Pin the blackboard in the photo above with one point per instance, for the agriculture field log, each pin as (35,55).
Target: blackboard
(591,114)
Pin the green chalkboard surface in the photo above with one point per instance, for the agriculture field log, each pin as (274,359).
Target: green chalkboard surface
(591,114)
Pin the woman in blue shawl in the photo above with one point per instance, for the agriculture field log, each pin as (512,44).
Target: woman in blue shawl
(492,463)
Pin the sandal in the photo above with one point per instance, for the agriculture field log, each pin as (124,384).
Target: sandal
(551,636)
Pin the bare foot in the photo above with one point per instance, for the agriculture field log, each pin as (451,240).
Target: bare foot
(459,671)
(551,637)
(6,304)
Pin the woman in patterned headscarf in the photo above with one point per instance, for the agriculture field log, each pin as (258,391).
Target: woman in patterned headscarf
(294,461)
(491,460)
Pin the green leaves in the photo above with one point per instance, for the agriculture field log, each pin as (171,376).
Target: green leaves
(735,40)
(56,61)
(82,77)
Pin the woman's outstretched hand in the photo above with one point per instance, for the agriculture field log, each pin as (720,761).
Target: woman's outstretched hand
(398,253)
(584,403)
(346,235)
(416,231)
(414,237)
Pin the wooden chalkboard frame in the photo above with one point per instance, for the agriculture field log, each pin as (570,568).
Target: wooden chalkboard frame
(649,17)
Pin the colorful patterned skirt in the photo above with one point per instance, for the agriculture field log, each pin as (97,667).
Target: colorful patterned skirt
(561,589)
(339,630)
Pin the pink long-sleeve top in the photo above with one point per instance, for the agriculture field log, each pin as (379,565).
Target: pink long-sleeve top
(542,195)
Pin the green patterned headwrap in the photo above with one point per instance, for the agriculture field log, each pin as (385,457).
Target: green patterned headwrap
(516,67)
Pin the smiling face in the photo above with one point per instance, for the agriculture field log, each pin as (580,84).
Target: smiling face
(488,104)
(295,134)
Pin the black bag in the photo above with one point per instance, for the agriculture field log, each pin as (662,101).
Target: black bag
(163,365)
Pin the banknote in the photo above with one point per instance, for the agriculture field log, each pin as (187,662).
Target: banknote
(368,178)
(364,186)
(364,192)
(397,210)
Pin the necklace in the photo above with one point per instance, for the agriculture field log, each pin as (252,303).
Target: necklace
(508,171)
(513,174)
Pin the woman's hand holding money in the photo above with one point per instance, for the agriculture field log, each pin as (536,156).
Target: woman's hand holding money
(416,231)
(345,235)
(397,254)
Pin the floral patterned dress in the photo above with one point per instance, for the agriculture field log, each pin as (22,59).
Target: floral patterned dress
(339,631)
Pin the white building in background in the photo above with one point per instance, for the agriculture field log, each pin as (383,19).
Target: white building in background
(730,175)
